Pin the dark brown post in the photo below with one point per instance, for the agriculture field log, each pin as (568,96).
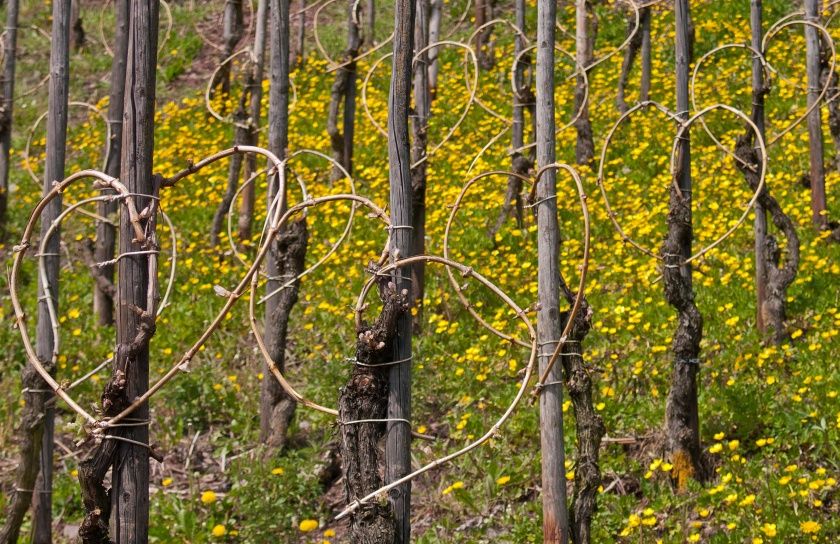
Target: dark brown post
(103,301)
(398,439)
(8,88)
(682,425)
(343,96)
(760,223)
(136,296)
(286,256)
(53,172)
(254,83)
(420,125)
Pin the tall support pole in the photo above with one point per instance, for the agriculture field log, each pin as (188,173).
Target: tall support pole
(103,302)
(6,107)
(53,172)
(136,288)
(420,125)
(398,439)
(555,517)
(682,425)
(815,134)
(287,252)
(760,222)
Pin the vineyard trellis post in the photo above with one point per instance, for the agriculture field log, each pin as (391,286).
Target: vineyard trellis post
(136,286)
(682,425)
(644,87)
(523,98)
(103,297)
(254,81)
(287,252)
(6,117)
(398,433)
(246,118)
(343,96)
(435,18)
(37,417)
(53,172)
(233,27)
(420,126)
(815,136)
(760,222)
(639,43)
(555,516)
(585,32)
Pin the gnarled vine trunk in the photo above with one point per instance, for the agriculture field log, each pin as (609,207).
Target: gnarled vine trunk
(362,408)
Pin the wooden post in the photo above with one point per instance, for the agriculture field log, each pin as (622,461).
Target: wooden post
(343,96)
(435,17)
(371,20)
(555,517)
(136,292)
(398,439)
(523,98)
(644,89)
(287,253)
(420,125)
(584,42)
(681,412)
(232,29)
(815,134)
(6,118)
(53,172)
(760,222)
(255,79)
(103,301)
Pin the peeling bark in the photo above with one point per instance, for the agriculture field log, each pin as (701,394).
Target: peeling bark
(286,260)
(779,276)
(589,426)
(366,397)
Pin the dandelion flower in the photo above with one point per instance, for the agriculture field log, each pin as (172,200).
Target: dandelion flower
(208,497)
(308,525)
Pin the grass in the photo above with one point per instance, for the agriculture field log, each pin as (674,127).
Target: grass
(769,415)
